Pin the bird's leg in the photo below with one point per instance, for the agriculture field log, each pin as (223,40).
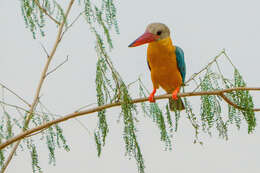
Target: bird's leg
(151,97)
(174,93)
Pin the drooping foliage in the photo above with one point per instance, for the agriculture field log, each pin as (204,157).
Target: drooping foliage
(108,81)
(212,114)
(110,86)
(53,136)
(35,17)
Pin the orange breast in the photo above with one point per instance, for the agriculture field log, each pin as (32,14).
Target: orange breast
(162,60)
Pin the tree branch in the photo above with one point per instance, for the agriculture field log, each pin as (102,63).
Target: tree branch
(11,91)
(23,109)
(45,12)
(43,76)
(45,50)
(206,67)
(58,66)
(234,105)
(138,100)
(72,23)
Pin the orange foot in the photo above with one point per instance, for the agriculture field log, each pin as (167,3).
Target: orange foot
(151,97)
(174,93)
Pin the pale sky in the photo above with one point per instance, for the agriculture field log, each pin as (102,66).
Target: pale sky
(202,28)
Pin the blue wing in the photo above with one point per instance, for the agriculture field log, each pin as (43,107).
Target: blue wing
(180,62)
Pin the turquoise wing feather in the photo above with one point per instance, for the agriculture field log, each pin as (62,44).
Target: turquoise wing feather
(180,62)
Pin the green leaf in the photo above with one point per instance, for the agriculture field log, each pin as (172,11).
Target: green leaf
(35,159)
(130,138)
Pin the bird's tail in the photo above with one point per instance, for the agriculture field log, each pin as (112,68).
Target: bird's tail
(176,104)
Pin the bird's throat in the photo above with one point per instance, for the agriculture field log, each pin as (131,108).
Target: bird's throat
(164,45)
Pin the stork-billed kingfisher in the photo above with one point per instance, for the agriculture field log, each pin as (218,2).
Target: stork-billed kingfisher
(165,61)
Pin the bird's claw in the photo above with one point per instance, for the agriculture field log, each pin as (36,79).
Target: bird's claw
(151,98)
(174,94)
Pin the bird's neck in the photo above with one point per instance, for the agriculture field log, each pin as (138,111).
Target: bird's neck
(161,53)
(163,45)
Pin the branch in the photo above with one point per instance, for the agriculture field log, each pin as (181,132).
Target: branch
(206,67)
(21,108)
(234,105)
(138,100)
(72,23)
(43,76)
(58,66)
(45,12)
(45,50)
(11,91)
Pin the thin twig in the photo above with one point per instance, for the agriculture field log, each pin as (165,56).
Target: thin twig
(83,107)
(229,59)
(14,106)
(9,158)
(138,100)
(45,12)
(36,133)
(197,85)
(233,104)
(58,66)
(45,50)
(48,112)
(83,125)
(219,70)
(206,67)
(131,83)
(43,76)
(72,23)
(11,91)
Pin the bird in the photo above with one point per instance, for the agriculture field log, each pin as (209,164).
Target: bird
(165,61)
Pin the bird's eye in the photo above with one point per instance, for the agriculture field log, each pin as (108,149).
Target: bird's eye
(159,32)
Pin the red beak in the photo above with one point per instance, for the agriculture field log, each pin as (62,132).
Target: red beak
(147,37)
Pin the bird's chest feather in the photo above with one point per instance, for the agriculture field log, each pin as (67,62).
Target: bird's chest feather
(162,60)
